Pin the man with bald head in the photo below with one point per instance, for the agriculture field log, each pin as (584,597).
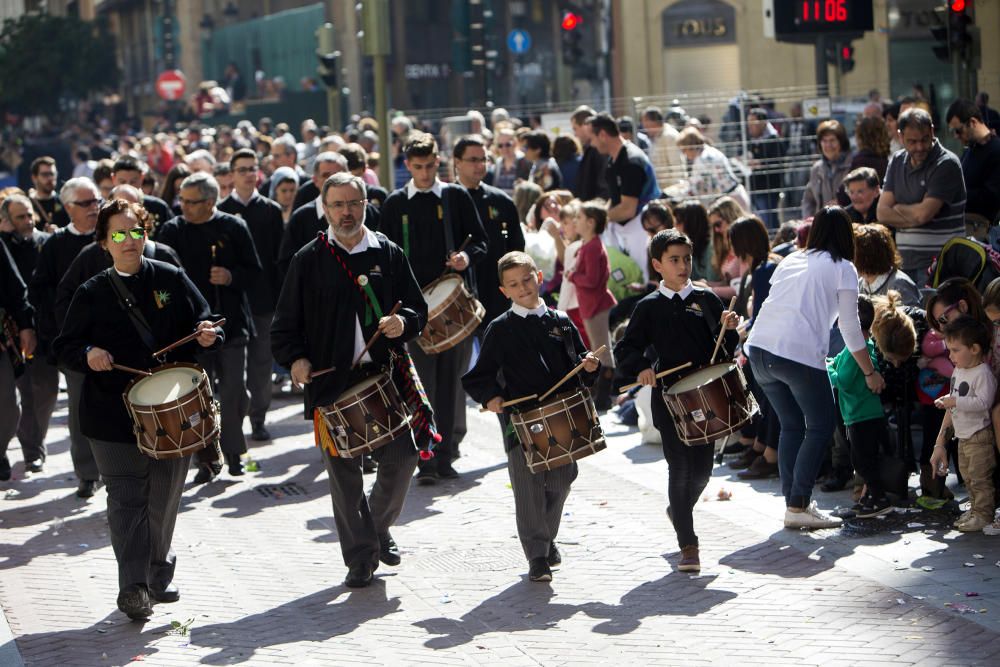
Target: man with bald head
(308,219)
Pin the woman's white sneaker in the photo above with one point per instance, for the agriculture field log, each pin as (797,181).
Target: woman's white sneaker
(811,517)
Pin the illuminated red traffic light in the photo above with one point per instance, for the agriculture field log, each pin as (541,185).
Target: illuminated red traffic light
(957,5)
(570,21)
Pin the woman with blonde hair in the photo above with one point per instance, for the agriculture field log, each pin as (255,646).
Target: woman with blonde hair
(723,212)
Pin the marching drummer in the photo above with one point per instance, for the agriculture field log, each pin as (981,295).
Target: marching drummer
(438,228)
(681,322)
(338,292)
(525,351)
(98,332)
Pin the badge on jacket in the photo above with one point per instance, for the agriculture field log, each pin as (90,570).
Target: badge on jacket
(162,298)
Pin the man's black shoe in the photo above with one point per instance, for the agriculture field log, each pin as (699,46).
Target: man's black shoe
(206,473)
(169,594)
(35,465)
(258,432)
(368,464)
(4,469)
(836,482)
(235,465)
(86,488)
(133,601)
(359,576)
(426,477)
(538,569)
(447,472)
(555,558)
(388,552)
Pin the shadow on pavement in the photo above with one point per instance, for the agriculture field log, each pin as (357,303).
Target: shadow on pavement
(529,606)
(114,640)
(420,499)
(71,536)
(315,618)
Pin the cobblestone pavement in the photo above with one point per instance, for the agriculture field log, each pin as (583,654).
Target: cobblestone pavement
(261,575)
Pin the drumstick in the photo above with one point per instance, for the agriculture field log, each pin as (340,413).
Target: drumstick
(316,374)
(186,339)
(657,376)
(513,401)
(722,332)
(129,369)
(378,332)
(573,372)
(466,242)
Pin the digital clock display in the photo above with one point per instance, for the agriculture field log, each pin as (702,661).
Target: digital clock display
(799,17)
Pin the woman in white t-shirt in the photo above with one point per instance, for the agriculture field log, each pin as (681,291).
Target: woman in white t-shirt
(810,290)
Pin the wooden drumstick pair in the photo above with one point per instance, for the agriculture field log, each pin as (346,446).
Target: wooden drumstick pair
(576,369)
(718,344)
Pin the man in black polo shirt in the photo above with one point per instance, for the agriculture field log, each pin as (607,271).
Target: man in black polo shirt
(263,217)
(591,181)
(631,184)
(430,220)
(218,255)
(129,171)
(980,161)
(863,189)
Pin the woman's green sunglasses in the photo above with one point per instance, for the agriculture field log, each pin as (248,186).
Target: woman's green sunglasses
(136,232)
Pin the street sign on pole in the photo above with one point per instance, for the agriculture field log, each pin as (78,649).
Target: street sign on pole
(170,85)
(518,41)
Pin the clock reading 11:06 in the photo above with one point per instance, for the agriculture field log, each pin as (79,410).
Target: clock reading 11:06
(798,17)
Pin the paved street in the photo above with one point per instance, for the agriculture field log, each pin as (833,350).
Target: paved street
(260,573)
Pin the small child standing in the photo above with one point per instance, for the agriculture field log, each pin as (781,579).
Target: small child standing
(967,412)
(590,277)
(867,429)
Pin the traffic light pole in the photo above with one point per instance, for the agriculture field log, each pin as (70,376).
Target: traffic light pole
(375,19)
(822,72)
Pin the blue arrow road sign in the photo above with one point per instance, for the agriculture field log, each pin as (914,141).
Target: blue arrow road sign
(518,41)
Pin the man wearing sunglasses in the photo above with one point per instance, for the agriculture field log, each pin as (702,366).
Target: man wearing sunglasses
(81,199)
(219,255)
(129,171)
(980,161)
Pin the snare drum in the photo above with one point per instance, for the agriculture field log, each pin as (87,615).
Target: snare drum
(710,403)
(366,416)
(564,429)
(453,314)
(173,413)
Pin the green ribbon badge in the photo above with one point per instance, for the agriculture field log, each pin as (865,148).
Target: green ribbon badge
(372,307)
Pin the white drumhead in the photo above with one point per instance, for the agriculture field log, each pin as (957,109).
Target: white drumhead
(164,386)
(361,386)
(440,291)
(699,378)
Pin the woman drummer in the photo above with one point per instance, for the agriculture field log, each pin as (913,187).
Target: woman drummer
(143,493)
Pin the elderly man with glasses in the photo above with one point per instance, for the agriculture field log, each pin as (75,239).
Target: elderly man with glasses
(81,200)
(218,253)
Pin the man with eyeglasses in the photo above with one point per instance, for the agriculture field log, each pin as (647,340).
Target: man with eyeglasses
(129,171)
(219,255)
(338,292)
(308,220)
(923,195)
(49,209)
(433,222)
(499,217)
(980,161)
(263,217)
(81,199)
(23,241)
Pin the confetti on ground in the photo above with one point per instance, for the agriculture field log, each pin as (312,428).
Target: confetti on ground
(724,494)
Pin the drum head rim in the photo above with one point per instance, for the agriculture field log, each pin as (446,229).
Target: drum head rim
(162,374)
(696,377)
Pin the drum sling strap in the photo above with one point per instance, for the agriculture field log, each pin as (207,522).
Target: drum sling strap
(127,302)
